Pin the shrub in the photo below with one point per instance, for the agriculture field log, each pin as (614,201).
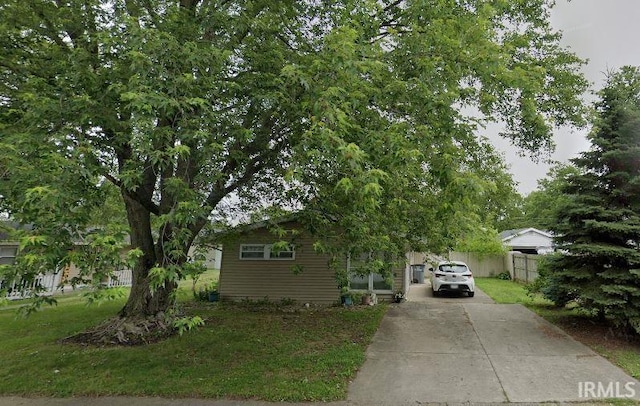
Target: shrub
(202,294)
(549,282)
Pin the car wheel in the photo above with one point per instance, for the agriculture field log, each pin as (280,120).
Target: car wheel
(435,293)
(472,294)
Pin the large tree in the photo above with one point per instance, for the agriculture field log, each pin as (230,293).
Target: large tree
(197,110)
(598,226)
(539,208)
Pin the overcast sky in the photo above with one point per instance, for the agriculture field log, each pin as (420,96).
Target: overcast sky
(607,33)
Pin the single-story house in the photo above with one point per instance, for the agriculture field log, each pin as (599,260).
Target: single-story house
(211,256)
(251,269)
(8,251)
(8,246)
(528,240)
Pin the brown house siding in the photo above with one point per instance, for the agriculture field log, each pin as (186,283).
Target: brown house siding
(275,279)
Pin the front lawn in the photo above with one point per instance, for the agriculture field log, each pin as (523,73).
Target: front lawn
(601,337)
(245,351)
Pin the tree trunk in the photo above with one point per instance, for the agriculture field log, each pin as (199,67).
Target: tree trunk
(142,301)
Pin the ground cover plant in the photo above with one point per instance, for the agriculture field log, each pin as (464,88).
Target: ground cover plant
(244,351)
(581,325)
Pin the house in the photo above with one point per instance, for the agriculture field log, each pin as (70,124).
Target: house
(210,255)
(8,251)
(8,246)
(252,269)
(528,240)
(20,288)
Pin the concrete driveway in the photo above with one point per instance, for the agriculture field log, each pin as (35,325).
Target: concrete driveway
(460,349)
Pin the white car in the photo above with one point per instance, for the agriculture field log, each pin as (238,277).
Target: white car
(452,276)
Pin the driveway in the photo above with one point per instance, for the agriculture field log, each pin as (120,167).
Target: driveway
(460,349)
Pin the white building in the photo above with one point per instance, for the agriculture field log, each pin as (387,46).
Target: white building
(528,240)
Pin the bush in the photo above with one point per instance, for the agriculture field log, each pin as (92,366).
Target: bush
(505,276)
(202,294)
(549,282)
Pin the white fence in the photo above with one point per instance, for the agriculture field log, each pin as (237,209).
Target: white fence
(45,283)
(120,278)
(48,283)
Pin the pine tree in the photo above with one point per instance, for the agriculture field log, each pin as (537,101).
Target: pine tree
(598,230)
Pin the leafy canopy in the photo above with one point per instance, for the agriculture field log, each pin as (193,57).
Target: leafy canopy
(203,111)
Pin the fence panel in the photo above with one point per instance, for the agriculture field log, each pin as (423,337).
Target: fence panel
(525,267)
(47,283)
(120,278)
(490,265)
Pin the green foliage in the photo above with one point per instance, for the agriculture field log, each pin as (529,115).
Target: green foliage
(34,305)
(505,276)
(194,269)
(598,226)
(540,207)
(196,111)
(202,294)
(483,242)
(101,296)
(549,283)
(186,324)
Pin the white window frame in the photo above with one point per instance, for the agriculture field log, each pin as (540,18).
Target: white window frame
(267,253)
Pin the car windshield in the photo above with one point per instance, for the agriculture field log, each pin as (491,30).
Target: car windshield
(454,268)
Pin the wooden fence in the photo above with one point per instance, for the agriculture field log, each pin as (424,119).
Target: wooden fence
(525,267)
(521,267)
(486,266)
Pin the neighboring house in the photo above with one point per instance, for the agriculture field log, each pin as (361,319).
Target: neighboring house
(8,251)
(528,240)
(212,256)
(250,269)
(18,288)
(8,247)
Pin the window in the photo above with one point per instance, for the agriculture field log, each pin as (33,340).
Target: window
(7,255)
(266,252)
(252,251)
(371,281)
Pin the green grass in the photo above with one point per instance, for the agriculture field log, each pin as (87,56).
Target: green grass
(623,353)
(244,351)
(508,292)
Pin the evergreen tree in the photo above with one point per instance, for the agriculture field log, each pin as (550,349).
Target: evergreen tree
(599,227)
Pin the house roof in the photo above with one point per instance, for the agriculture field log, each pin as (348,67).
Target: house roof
(508,235)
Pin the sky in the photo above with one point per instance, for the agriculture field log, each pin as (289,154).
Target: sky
(607,34)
